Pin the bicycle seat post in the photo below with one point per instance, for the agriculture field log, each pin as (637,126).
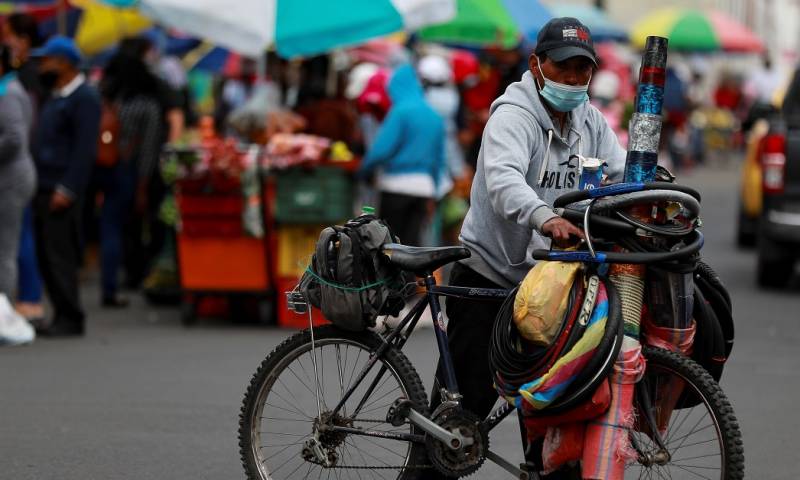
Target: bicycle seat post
(450,392)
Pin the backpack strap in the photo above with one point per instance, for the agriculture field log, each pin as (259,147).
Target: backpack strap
(358,253)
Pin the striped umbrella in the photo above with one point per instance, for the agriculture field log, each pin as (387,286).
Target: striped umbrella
(696,30)
(295,27)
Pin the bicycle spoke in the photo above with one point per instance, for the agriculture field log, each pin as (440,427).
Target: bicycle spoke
(339,368)
(693,458)
(355,367)
(350,454)
(290,403)
(367,453)
(283,434)
(693,473)
(690,434)
(278,453)
(295,470)
(387,449)
(307,418)
(281,465)
(678,427)
(286,419)
(658,472)
(279,445)
(299,380)
(714,440)
(379,398)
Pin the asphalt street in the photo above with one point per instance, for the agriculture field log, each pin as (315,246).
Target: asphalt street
(141,397)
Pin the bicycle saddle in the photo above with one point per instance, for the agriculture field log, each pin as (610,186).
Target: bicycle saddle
(422,260)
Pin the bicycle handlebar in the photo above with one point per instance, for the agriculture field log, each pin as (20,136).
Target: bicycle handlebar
(623,257)
(618,188)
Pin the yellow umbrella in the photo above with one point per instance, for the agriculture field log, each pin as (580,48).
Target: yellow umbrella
(102,25)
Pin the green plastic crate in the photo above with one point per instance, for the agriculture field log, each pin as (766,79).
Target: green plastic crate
(321,195)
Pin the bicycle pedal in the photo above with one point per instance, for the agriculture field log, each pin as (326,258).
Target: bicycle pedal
(296,302)
(398,412)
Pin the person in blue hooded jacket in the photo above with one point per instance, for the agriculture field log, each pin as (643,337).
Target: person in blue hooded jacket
(408,153)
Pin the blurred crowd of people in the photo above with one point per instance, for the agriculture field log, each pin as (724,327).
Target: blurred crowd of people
(79,149)
(78,158)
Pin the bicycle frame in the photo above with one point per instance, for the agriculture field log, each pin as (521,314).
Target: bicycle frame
(398,336)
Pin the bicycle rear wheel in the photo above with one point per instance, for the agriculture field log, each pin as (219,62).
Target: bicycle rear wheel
(280,410)
(703,440)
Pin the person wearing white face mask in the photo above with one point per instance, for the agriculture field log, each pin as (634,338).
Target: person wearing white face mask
(538,131)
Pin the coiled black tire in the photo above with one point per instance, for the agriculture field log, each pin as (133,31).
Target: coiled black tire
(299,409)
(692,454)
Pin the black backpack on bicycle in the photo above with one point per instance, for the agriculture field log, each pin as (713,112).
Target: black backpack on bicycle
(349,279)
(713,313)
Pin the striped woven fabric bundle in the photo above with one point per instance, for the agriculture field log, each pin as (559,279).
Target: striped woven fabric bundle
(606,447)
(541,392)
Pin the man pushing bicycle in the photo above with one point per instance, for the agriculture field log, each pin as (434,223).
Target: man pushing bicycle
(539,131)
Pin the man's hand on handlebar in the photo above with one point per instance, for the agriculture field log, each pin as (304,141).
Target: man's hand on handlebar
(560,230)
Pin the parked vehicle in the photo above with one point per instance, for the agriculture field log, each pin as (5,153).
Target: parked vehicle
(778,233)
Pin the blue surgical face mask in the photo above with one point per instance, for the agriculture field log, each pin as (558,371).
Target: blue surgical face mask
(563,98)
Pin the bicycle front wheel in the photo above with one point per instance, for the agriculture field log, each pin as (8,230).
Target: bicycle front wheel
(696,422)
(292,397)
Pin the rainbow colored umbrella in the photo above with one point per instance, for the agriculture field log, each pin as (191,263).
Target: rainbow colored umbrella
(696,30)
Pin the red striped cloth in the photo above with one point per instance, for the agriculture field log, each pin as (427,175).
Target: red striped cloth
(606,447)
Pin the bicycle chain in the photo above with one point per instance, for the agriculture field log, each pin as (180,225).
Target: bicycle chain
(387,467)
(382,467)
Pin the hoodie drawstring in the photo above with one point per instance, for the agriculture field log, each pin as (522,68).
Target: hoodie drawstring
(546,160)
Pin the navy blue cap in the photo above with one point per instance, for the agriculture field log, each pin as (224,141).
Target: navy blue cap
(565,37)
(59,46)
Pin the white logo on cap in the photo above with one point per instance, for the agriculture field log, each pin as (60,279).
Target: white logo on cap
(569,33)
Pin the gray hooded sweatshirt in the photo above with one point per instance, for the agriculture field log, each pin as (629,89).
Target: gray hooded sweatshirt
(523,166)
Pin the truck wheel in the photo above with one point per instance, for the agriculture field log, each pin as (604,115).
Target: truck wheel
(774,273)
(745,230)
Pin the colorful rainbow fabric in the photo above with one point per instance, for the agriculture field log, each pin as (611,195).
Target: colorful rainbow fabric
(541,392)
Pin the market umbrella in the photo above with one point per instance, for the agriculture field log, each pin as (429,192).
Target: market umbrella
(696,30)
(497,23)
(601,26)
(102,26)
(94,25)
(295,27)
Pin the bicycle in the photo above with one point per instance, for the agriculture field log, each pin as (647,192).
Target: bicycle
(353,423)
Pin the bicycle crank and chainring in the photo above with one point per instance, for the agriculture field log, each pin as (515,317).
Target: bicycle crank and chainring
(469,458)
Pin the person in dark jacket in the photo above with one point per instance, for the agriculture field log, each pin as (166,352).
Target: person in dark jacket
(64,150)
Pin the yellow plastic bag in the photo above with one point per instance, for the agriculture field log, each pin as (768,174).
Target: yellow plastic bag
(542,300)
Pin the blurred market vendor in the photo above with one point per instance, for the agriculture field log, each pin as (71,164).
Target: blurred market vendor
(528,157)
(366,88)
(409,154)
(64,150)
